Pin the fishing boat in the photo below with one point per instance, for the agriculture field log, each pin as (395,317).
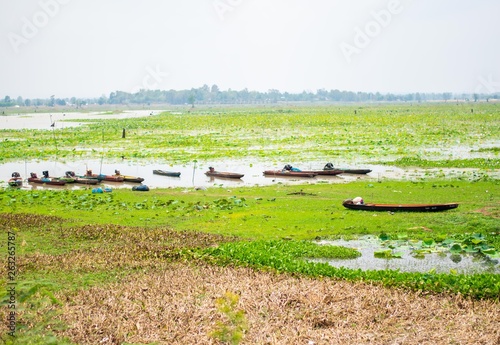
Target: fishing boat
(129,178)
(349,203)
(330,167)
(81,180)
(167,173)
(355,171)
(103,177)
(324,172)
(16,180)
(287,173)
(224,174)
(67,179)
(44,180)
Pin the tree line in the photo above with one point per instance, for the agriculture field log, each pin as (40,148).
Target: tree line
(213,95)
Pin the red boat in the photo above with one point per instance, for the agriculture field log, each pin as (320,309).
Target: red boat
(50,181)
(224,174)
(102,177)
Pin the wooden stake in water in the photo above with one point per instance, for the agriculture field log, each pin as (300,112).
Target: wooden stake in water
(194,169)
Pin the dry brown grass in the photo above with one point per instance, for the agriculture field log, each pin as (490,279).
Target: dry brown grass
(177,306)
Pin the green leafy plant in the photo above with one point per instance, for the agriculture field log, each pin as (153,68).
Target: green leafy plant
(232,329)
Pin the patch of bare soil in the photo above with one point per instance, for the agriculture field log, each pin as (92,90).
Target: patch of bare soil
(490,211)
(177,306)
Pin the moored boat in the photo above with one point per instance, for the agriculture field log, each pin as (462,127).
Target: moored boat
(103,177)
(166,173)
(287,173)
(129,178)
(44,180)
(355,171)
(82,180)
(16,180)
(224,174)
(349,203)
(67,179)
(330,167)
(334,172)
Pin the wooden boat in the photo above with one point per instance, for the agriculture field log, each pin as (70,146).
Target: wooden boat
(167,173)
(355,171)
(82,180)
(329,167)
(287,173)
(44,180)
(128,178)
(16,180)
(333,172)
(67,179)
(399,207)
(224,174)
(102,177)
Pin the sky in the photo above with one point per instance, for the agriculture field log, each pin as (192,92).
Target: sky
(89,48)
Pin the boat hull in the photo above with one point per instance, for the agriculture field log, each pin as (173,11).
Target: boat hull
(356,171)
(280,173)
(324,172)
(52,182)
(400,208)
(224,174)
(167,173)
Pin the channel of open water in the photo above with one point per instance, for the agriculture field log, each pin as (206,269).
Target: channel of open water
(439,262)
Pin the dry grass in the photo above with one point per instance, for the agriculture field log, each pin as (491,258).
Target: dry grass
(177,306)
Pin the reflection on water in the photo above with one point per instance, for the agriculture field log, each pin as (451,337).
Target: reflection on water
(440,262)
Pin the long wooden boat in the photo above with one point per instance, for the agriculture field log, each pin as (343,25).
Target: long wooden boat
(399,207)
(355,171)
(224,174)
(333,172)
(329,166)
(103,177)
(67,179)
(166,173)
(287,173)
(44,180)
(129,178)
(82,180)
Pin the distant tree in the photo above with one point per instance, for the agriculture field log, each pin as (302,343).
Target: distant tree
(27,102)
(214,89)
(191,100)
(476,97)
(52,101)
(447,96)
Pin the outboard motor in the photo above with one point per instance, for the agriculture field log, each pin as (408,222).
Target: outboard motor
(33,175)
(328,166)
(16,174)
(45,173)
(70,173)
(288,167)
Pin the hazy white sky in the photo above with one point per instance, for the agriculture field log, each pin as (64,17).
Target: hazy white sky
(87,48)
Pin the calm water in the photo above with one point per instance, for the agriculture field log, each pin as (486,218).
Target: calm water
(441,263)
